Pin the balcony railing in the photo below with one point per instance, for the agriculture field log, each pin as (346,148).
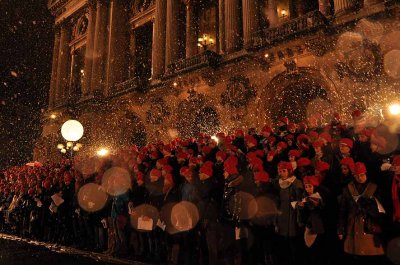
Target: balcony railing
(128,85)
(310,21)
(207,58)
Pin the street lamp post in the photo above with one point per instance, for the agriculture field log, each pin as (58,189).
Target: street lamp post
(71,131)
(205,42)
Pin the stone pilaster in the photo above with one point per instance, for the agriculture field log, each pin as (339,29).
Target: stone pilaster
(98,78)
(250,20)
(172,38)
(192,29)
(221,26)
(132,53)
(272,13)
(343,6)
(89,48)
(63,63)
(323,6)
(118,44)
(232,28)
(159,39)
(54,66)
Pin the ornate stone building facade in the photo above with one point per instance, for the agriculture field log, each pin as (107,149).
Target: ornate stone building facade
(140,70)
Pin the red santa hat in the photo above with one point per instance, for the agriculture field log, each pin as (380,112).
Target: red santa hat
(230,165)
(31,192)
(282,145)
(396,160)
(313,180)
(284,120)
(313,135)
(271,139)
(349,162)
(285,165)
(317,144)
(303,162)
(168,177)
(239,132)
(251,140)
(167,148)
(139,176)
(346,141)
(155,173)
(302,138)
(291,125)
(185,171)
(261,176)
(266,128)
(356,114)
(289,137)
(326,136)
(256,164)
(295,153)
(167,168)
(271,153)
(322,166)
(359,168)
(182,156)
(206,150)
(221,155)
(207,168)
(134,148)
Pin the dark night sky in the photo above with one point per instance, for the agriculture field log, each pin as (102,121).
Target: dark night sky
(26,42)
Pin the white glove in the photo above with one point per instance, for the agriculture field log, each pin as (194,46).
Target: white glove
(386,166)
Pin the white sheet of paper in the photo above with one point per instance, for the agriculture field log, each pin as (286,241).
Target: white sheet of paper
(237,233)
(57,199)
(294,204)
(161,224)
(146,225)
(380,206)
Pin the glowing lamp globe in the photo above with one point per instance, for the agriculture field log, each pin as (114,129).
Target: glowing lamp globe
(72,130)
(394,109)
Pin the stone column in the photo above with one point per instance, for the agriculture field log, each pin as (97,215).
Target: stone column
(272,13)
(99,49)
(54,66)
(118,44)
(192,29)
(342,6)
(63,63)
(323,6)
(221,26)
(89,48)
(232,32)
(72,77)
(300,8)
(172,45)
(250,20)
(132,53)
(159,39)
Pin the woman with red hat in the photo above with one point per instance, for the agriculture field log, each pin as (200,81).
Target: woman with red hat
(290,190)
(358,218)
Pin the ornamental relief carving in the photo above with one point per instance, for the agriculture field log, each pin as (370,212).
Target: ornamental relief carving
(80,26)
(139,6)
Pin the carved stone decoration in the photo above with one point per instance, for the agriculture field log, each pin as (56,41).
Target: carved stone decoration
(238,92)
(81,26)
(319,46)
(362,63)
(139,6)
(194,115)
(158,111)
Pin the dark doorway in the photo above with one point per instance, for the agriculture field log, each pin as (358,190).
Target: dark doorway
(144,39)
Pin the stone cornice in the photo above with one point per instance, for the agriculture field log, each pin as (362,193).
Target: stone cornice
(55,5)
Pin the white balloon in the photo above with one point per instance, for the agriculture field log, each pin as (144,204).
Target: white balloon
(72,130)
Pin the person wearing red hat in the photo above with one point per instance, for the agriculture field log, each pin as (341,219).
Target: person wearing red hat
(282,130)
(311,216)
(395,192)
(290,190)
(358,216)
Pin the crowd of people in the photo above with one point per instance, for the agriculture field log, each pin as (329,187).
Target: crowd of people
(322,194)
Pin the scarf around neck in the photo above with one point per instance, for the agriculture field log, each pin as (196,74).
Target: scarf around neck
(287,182)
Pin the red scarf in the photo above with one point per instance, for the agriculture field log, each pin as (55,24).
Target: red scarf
(395,198)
